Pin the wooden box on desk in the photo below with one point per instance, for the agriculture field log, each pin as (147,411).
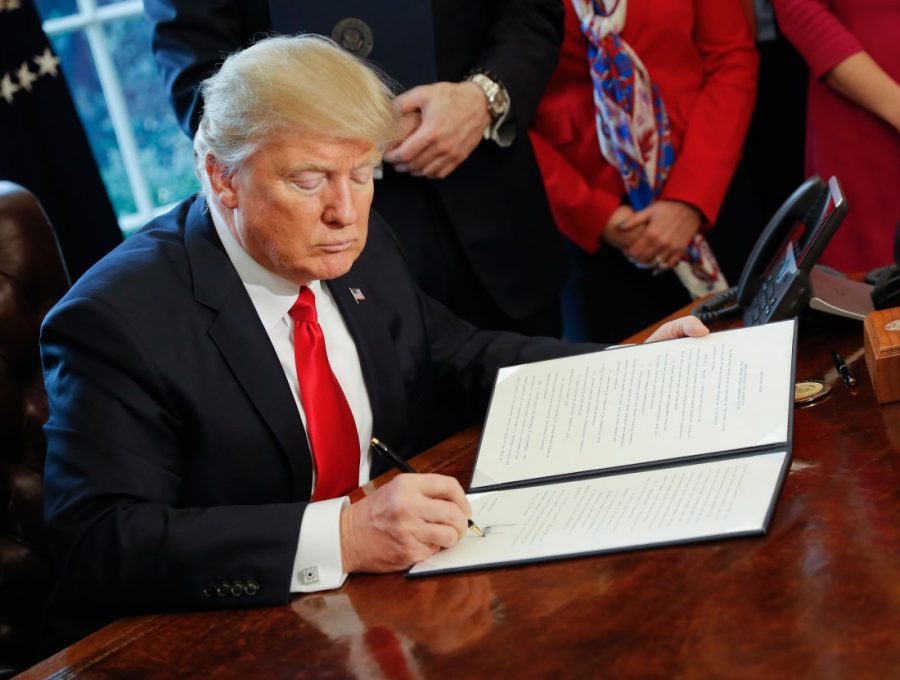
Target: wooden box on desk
(882,337)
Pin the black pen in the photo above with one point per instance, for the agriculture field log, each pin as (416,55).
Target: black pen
(395,460)
(843,369)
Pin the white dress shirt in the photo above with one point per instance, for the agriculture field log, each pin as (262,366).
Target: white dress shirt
(317,562)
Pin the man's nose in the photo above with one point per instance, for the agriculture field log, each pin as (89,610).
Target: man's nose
(340,210)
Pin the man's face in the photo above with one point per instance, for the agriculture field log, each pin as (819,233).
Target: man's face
(300,204)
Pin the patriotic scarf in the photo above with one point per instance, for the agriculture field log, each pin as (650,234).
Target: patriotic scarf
(633,128)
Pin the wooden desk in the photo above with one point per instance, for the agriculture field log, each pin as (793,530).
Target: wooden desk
(817,598)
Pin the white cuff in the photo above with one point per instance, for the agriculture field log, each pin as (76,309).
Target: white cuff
(317,564)
(502,136)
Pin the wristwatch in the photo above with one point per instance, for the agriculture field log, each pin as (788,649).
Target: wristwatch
(497,99)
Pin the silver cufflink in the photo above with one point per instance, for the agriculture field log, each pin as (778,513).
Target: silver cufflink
(308,576)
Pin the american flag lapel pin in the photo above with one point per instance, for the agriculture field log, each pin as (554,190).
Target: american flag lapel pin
(357,295)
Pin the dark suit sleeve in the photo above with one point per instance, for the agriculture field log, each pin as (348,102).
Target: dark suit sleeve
(521,49)
(452,364)
(121,537)
(467,359)
(191,38)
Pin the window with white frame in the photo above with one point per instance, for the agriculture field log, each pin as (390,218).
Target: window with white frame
(104,51)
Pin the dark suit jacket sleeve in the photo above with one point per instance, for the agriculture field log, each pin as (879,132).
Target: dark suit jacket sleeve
(521,50)
(123,539)
(462,360)
(469,358)
(191,38)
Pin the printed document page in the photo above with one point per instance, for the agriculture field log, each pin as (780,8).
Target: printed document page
(633,509)
(640,404)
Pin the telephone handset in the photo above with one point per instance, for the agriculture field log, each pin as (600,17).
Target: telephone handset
(775,282)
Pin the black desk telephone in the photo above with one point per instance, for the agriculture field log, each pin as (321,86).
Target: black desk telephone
(775,282)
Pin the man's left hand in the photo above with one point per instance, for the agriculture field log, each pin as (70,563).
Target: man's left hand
(454,118)
(685,327)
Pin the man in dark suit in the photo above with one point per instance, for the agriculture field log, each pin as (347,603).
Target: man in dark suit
(214,382)
(470,213)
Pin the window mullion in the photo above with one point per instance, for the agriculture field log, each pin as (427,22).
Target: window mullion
(118,110)
(75,22)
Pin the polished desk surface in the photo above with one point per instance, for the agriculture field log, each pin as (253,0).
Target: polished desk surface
(819,597)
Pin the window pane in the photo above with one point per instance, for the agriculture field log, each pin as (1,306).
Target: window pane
(81,75)
(165,151)
(52,9)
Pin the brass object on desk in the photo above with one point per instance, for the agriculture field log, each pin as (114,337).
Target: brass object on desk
(808,391)
(829,558)
(882,341)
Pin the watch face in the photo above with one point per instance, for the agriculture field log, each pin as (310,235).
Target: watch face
(497,99)
(499,102)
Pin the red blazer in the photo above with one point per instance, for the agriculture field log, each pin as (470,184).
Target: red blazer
(701,55)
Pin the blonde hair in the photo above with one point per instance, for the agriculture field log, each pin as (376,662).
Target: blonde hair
(301,83)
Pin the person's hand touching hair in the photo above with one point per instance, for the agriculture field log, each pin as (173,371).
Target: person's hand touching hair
(453,120)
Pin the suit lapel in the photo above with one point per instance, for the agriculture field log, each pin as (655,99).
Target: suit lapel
(240,337)
(376,355)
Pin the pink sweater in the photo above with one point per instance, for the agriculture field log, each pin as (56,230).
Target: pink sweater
(843,139)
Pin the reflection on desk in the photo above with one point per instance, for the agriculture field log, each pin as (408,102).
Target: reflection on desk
(447,616)
(819,597)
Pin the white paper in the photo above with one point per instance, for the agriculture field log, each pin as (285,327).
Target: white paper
(634,509)
(638,405)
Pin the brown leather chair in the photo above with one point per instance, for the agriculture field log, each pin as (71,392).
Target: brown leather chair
(32,278)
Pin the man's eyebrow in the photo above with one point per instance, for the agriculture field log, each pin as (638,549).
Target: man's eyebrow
(325,168)
(308,167)
(372,161)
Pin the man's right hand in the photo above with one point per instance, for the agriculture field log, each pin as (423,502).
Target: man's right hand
(453,119)
(403,522)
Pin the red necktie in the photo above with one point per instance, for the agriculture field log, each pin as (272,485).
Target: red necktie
(384,647)
(329,421)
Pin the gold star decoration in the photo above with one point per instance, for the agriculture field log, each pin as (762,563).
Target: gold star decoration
(26,77)
(8,88)
(47,63)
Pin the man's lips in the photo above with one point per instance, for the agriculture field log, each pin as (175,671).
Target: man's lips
(337,246)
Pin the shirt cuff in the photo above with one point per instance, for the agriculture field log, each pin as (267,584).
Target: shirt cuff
(501,133)
(318,564)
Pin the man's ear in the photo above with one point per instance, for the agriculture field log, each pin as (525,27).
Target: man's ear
(221,182)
